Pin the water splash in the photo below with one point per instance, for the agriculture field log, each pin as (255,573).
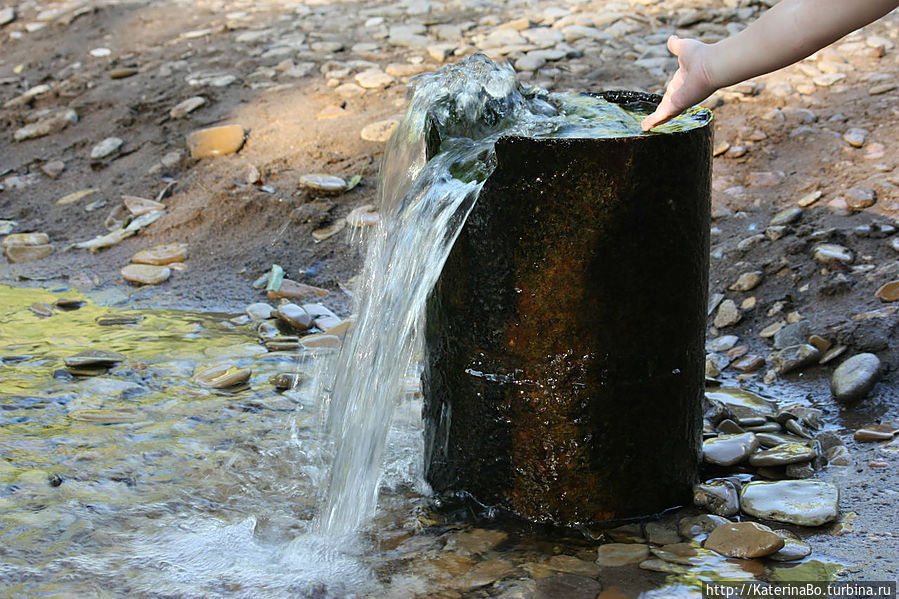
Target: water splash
(431,175)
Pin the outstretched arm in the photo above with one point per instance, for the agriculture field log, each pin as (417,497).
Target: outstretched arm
(787,33)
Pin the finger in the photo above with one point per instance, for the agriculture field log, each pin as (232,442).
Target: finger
(674,45)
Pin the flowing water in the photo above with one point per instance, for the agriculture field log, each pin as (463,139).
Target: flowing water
(141,482)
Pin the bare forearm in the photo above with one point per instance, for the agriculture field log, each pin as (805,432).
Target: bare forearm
(788,32)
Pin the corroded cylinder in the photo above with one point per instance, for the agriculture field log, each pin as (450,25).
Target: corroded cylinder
(564,339)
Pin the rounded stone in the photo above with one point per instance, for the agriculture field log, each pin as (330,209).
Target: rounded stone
(295,316)
(380,131)
(727,450)
(162,254)
(747,281)
(744,540)
(889,292)
(106,148)
(728,314)
(215,141)
(25,239)
(94,357)
(27,253)
(793,549)
(719,496)
(146,274)
(184,108)
(855,377)
(621,554)
(260,311)
(827,252)
(696,527)
(801,502)
(222,376)
(322,182)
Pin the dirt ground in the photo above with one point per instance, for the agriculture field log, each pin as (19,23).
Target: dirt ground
(785,134)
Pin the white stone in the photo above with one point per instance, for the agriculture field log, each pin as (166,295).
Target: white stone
(107,147)
(801,502)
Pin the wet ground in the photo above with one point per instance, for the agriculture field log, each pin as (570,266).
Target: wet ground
(105,475)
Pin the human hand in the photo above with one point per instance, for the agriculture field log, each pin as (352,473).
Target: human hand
(689,85)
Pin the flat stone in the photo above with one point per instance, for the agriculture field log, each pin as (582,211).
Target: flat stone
(162,255)
(764,178)
(295,316)
(18,239)
(48,125)
(795,333)
(783,454)
(838,456)
(222,376)
(659,533)
(182,109)
(475,541)
(875,432)
(566,586)
(146,274)
(293,290)
(809,198)
(123,73)
(106,148)
(855,377)
(215,141)
(794,357)
(54,168)
(727,450)
(380,131)
(95,357)
(722,343)
(728,314)
(793,549)
(744,540)
(259,311)
(718,496)
(741,403)
(374,79)
(698,527)
(801,502)
(828,79)
(621,554)
(349,90)
(28,253)
(888,292)
(786,216)
(855,137)
(320,341)
(828,252)
(573,565)
(7,15)
(323,182)
(748,363)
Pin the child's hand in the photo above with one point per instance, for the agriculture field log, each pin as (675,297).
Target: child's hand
(689,85)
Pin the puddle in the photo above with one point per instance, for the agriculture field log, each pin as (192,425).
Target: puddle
(139,482)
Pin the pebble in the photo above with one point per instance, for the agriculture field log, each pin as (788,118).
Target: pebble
(215,141)
(888,292)
(573,565)
(764,178)
(329,231)
(787,216)
(374,79)
(293,290)
(793,549)
(146,274)
(260,311)
(827,252)
(48,125)
(322,182)
(28,253)
(728,314)
(19,239)
(7,15)
(320,341)
(698,527)
(162,255)
(720,344)
(747,281)
(621,554)
(855,137)
(795,333)
(727,450)
(363,216)
(859,198)
(838,456)
(749,363)
(801,502)
(41,309)
(809,198)
(744,540)
(54,168)
(182,109)
(475,541)
(875,432)
(855,377)
(94,357)
(122,73)
(793,358)
(783,454)
(106,148)
(295,316)
(828,79)
(222,376)
(380,131)
(286,380)
(718,496)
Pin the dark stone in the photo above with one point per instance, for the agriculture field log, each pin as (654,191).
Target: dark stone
(567,586)
(555,387)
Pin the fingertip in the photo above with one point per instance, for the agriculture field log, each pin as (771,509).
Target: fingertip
(646,124)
